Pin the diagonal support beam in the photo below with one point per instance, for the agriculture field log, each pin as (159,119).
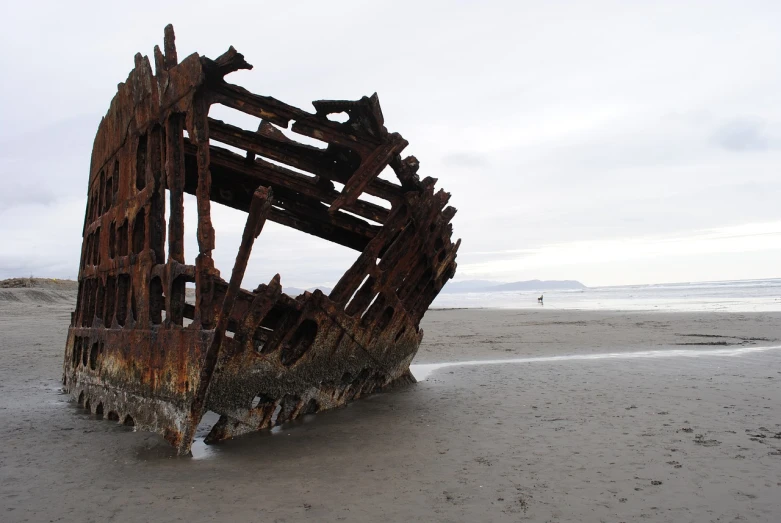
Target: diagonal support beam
(258,212)
(370,168)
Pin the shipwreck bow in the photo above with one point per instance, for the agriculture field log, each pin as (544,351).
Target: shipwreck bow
(257,358)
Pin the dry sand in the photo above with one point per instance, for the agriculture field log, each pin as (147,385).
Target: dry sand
(666,438)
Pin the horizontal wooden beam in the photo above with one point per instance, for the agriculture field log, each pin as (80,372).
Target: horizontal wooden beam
(280,113)
(320,229)
(286,180)
(234,189)
(307,124)
(280,148)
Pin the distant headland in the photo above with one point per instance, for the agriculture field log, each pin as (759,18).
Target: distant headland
(495,286)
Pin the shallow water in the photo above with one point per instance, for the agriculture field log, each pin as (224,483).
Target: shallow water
(423,371)
(724,296)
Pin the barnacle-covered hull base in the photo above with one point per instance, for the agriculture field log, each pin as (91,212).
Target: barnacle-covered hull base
(139,353)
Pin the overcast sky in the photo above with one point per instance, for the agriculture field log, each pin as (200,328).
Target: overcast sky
(608,142)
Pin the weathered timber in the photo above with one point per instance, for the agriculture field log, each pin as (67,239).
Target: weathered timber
(140,353)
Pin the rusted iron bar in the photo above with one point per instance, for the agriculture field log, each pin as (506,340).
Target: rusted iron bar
(276,176)
(258,212)
(257,358)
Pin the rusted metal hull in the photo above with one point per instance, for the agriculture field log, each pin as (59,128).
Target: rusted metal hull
(258,358)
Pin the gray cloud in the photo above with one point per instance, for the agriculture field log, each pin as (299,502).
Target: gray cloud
(548,122)
(743,134)
(47,164)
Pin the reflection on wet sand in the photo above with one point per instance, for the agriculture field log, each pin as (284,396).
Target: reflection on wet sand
(422,372)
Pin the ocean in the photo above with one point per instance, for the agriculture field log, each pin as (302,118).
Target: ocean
(727,296)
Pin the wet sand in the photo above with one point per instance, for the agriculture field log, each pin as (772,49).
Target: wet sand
(663,437)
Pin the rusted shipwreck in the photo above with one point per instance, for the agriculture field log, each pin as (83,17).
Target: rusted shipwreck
(258,358)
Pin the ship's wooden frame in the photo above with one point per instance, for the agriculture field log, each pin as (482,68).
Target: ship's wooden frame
(257,358)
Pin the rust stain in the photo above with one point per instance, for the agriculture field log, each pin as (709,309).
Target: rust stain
(257,358)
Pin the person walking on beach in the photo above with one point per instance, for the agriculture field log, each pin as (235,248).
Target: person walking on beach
(539,300)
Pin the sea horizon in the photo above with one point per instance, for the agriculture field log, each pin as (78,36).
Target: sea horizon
(754,295)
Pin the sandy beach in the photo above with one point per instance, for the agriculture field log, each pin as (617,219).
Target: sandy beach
(689,431)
